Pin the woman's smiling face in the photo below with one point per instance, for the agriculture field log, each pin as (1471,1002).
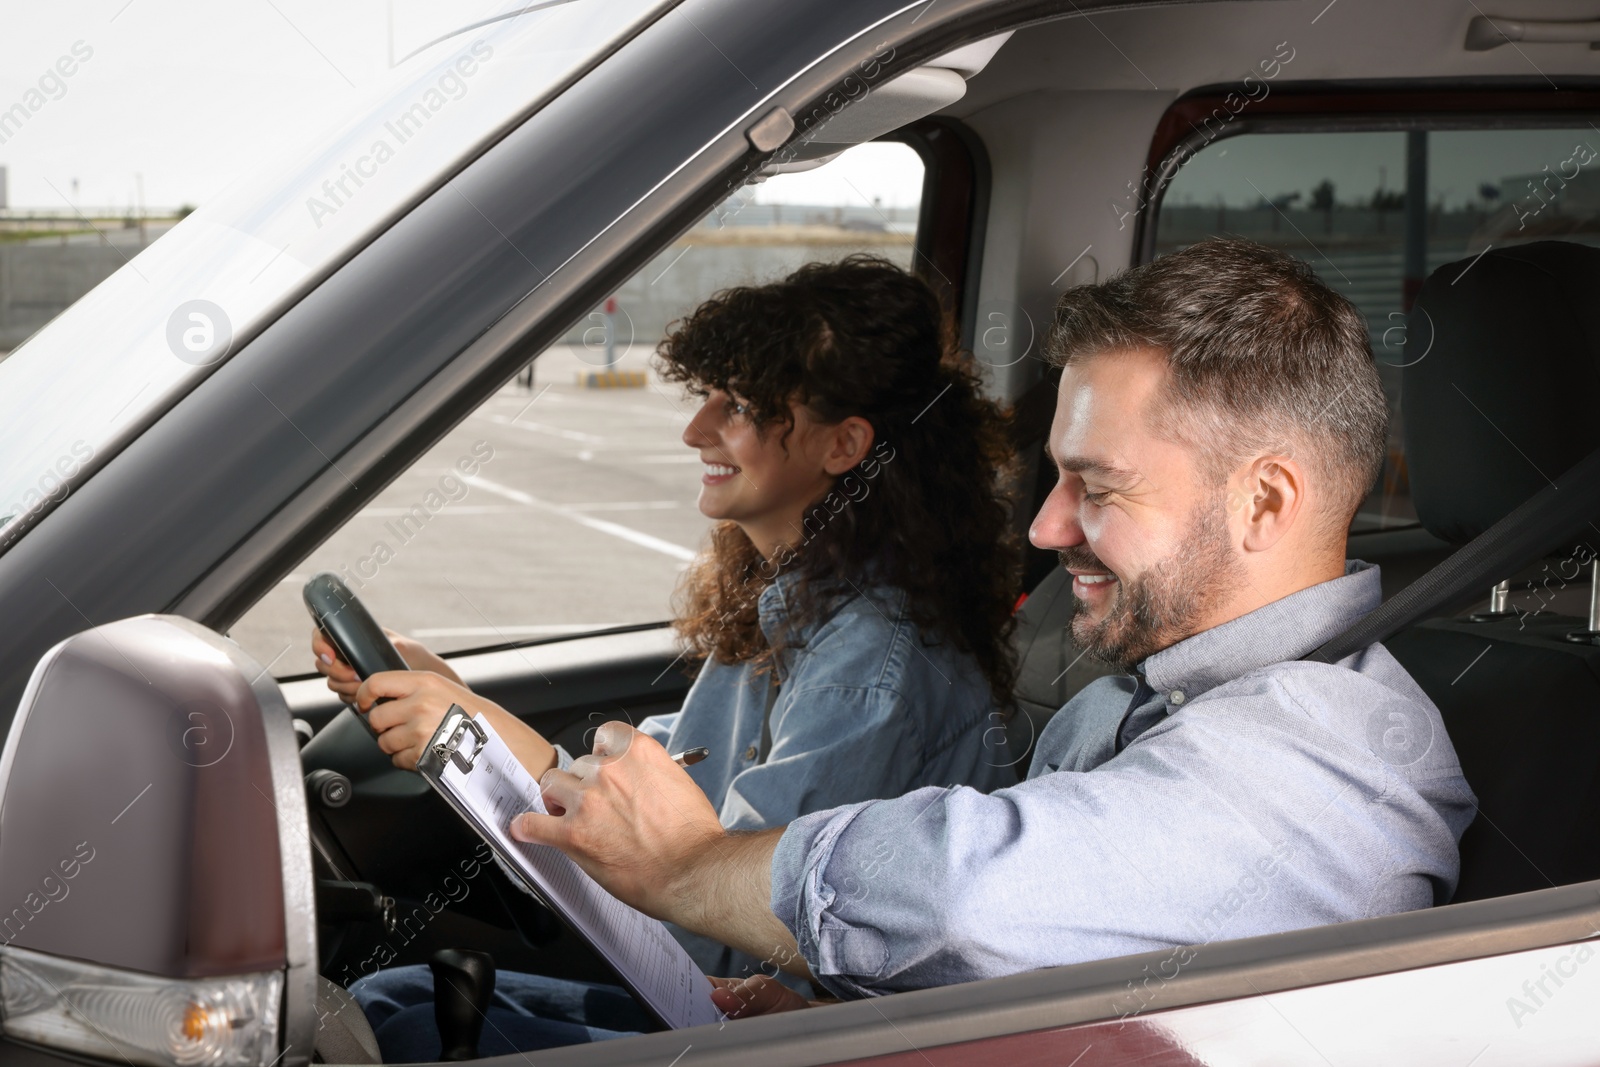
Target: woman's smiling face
(765,478)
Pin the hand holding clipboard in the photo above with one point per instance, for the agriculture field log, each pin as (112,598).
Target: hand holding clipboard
(483,781)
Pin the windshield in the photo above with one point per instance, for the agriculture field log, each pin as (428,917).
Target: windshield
(89,379)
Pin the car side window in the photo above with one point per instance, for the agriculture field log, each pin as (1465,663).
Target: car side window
(1344,202)
(567,502)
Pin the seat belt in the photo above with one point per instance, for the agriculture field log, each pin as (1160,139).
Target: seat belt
(1536,527)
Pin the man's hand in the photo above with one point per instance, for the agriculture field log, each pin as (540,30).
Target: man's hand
(415,703)
(740,998)
(640,827)
(629,816)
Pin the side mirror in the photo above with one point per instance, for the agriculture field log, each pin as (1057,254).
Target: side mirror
(156,889)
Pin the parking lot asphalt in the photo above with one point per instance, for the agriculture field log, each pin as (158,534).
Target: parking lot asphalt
(548,511)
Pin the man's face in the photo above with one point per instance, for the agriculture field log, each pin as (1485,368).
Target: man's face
(1145,536)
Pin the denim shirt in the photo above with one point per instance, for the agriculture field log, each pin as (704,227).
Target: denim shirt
(867,708)
(1226,789)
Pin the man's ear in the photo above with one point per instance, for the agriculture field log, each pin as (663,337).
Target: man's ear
(848,444)
(1266,500)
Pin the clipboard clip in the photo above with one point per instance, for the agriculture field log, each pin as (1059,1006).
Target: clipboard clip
(452,733)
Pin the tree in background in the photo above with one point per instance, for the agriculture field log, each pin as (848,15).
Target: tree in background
(1322,200)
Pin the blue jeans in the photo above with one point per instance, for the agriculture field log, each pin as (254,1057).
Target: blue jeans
(528,1012)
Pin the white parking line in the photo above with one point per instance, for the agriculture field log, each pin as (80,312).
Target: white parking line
(666,414)
(539,427)
(632,536)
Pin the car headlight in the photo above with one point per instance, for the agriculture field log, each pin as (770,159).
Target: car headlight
(121,1015)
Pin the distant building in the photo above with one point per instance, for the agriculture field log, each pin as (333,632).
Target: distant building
(745,212)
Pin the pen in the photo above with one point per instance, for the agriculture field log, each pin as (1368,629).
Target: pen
(690,757)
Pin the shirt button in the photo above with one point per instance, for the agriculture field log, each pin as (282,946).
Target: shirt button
(751,753)
(1176,697)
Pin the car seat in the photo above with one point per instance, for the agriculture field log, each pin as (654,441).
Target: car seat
(1502,400)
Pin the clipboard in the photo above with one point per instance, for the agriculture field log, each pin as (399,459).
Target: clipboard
(475,772)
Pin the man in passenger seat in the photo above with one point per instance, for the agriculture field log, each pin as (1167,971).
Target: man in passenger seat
(1219,421)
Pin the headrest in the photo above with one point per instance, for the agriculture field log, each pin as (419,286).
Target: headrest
(1501,392)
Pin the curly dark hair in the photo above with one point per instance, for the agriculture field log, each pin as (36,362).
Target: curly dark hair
(923,512)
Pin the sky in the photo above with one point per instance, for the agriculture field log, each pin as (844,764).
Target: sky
(186,95)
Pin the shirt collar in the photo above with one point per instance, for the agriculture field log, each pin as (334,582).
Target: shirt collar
(1283,630)
(774,604)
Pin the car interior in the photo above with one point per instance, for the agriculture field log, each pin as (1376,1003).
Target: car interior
(1059,110)
(1057,141)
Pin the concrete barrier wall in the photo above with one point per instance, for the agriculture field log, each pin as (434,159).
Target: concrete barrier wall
(39,282)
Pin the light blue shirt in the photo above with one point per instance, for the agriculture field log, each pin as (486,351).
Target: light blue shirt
(1226,789)
(868,708)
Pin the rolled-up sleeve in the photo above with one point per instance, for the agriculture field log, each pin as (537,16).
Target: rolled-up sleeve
(868,890)
(802,895)
(954,885)
(1200,831)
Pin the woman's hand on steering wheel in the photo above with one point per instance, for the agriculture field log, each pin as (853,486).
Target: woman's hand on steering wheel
(406,707)
(420,658)
(342,677)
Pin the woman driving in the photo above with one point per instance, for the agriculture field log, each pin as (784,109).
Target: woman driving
(849,615)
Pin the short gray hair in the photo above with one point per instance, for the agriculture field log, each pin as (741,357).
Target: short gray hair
(1263,357)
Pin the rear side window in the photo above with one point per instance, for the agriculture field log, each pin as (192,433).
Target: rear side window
(1374,212)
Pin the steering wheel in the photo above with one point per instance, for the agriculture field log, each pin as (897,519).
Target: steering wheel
(361,642)
(361,912)
(350,626)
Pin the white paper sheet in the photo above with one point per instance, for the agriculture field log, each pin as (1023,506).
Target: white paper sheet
(496,790)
